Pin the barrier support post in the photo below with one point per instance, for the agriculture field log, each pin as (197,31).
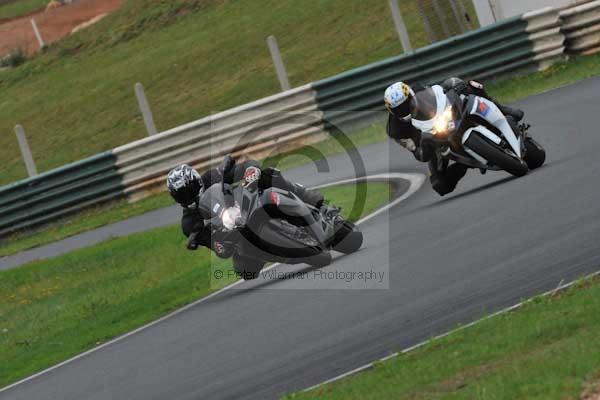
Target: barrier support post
(25,151)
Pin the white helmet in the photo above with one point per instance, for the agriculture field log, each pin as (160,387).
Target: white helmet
(397,99)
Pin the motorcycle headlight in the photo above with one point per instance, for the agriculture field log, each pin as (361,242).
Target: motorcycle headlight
(230,217)
(443,123)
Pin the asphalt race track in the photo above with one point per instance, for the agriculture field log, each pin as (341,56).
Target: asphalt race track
(448,260)
(154,219)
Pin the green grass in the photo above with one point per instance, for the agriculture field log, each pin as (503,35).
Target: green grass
(54,309)
(548,349)
(345,196)
(195,57)
(16,8)
(523,85)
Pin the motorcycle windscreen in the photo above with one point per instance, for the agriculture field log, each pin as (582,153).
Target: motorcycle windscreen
(211,201)
(431,104)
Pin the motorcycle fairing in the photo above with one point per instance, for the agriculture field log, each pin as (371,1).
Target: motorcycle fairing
(263,215)
(482,130)
(264,234)
(487,110)
(291,208)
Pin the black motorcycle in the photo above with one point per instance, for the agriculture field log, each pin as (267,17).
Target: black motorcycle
(273,225)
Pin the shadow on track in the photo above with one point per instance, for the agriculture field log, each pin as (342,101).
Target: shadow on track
(478,189)
(465,194)
(262,283)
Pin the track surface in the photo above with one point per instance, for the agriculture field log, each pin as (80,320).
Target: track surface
(451,260)
(154,219)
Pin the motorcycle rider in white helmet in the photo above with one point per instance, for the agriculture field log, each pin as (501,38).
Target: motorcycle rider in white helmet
(401,100)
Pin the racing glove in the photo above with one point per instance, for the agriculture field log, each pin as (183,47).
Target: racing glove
(227,169)
(222,249)
(197,239)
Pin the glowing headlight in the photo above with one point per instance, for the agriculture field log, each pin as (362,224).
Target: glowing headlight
(230,217)
(443,123)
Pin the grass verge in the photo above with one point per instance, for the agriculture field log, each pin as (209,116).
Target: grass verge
(548,349)
(16,8)
(54,309)
(523,85)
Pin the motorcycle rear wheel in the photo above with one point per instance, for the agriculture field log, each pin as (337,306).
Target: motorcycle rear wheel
(320,260)
(347,239)
(496,156)
(246,267)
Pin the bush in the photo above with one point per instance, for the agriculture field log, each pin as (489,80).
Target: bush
(15,58)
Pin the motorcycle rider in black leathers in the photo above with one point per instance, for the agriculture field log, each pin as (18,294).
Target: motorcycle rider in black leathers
(400,101)
(186,185)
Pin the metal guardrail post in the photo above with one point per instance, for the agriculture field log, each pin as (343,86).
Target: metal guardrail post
(38,35)
(496,10)
(463,12)
(278,63)
(25,151)
(426,23)
(441,17)
(145,109)
(460,20)
(400,26)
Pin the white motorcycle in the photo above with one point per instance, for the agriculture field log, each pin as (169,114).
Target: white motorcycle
(472,131)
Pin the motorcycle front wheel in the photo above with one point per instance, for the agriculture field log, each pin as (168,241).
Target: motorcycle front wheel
(535,155)
(496,156)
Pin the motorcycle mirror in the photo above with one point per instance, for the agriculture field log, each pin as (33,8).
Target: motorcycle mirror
(227,163)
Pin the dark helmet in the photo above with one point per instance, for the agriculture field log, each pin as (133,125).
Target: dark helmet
(184,184)
(399,99)
(454,83)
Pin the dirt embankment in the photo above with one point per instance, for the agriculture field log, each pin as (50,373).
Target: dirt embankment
(53,24)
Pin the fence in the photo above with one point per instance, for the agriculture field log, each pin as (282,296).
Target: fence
(290,119)
(581,26)
(275,124)
(59,192)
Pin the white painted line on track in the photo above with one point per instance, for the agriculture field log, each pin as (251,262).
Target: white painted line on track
(370,365)
(415,181)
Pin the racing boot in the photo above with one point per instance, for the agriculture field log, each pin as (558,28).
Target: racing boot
(273,177)
(478,89)
(445,182)
(511,112)
(310,197)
